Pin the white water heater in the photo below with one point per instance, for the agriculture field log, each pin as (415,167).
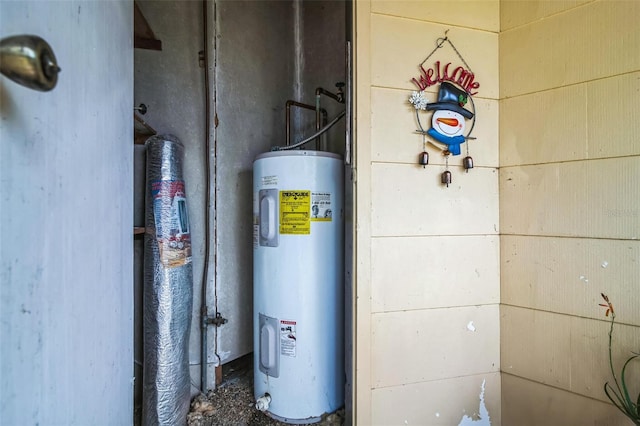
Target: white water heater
(298,286)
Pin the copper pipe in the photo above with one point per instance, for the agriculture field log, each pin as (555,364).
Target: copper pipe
(338,97)
(291,103)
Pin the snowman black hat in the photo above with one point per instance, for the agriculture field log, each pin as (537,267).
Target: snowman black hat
(451,98)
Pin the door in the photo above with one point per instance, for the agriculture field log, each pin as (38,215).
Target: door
(66,220)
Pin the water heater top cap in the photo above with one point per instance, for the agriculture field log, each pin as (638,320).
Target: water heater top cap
(298,153)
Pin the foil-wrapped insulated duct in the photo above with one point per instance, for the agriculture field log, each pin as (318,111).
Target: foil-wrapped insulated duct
(168,287)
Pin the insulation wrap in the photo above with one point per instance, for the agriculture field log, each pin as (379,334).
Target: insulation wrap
(168,286)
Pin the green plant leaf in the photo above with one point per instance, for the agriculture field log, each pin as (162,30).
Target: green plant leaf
(619,396)
(618,402)
(625,390)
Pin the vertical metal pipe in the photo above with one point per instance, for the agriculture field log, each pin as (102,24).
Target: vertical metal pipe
(288,123)
(289,104)
(203,353)
(321,143)
(347,105)
(323,136)
(318,119)
(298,59)
(204,312)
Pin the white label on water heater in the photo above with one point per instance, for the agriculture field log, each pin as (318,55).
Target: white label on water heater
(288,338)
(269,180)
(321,210)
(256,232)
(256,223)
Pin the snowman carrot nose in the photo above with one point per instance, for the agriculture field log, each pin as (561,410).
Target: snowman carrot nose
(448,121)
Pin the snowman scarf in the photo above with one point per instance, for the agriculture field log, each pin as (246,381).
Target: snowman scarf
(453,143)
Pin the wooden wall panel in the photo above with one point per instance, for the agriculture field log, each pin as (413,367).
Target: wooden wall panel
(584,198)
(590,355)
(544,127)
(514,13)
(613,108)
(549,54)
(393,136)
(432,403)
(361,401)
(536,345)
(527,403)
(566,351)
(480,14)
(583,121)
(431,344)
(400,204)
(399,45)
(433,272)
(569,213)
(412,201)
(568,274)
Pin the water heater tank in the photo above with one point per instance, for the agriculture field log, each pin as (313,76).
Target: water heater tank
(298,284)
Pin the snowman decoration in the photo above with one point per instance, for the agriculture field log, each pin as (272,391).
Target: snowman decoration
(448,124)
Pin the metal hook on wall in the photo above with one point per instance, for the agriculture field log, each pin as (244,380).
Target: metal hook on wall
(440,41)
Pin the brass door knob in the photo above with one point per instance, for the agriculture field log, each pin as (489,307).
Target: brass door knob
(29,60)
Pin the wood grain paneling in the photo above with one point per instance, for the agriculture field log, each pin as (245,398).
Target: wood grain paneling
(590,120)
(394,348)
(527,403)
(544,127)
(594,41)
(432,344)
(399,45)
(583,198)
(613,108)
(566,351)
(590,355)
(410,200)
(482,14)
(568,274)
(514,13)
(536,345)
(434,404)
(361,402)
(430,272)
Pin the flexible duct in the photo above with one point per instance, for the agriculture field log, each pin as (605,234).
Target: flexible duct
(168,287)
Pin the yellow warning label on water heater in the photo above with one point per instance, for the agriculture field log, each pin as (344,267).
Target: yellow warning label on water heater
(294,212)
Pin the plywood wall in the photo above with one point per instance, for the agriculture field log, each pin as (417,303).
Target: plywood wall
(569,205)
(427,334)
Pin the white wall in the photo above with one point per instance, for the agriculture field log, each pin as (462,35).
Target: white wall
(66,221)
